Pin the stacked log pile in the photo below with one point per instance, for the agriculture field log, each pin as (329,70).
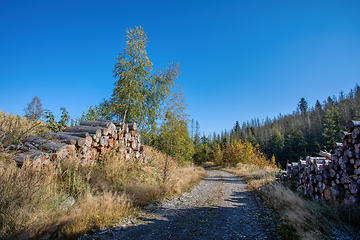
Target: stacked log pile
(41,150)
(88,140)
(336,176)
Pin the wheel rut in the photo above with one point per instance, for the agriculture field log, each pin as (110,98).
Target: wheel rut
(219,207)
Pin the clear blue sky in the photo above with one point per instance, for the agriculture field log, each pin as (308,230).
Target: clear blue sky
(239,59)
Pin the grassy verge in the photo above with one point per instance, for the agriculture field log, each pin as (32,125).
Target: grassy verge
(298,221)
(65,200)
(303,218)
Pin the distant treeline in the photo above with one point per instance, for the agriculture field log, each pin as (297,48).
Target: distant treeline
(288,137)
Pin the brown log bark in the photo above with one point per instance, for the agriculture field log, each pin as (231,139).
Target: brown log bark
(68,141)
(78,134)
(117,123)
(94,123)
(89,129)
(61,135)
(33,155)
(44,144)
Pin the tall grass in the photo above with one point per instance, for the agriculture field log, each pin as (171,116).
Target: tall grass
(34,198)
(303,218)
(298,222)
(65,200)
(13,129)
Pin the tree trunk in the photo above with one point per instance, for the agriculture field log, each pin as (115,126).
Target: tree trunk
(117,123)
(89,129)
(62,136)
(33,155)
(94,123)
(44,144)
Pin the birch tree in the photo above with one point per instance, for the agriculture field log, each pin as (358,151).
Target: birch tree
(138,93)
(174,134)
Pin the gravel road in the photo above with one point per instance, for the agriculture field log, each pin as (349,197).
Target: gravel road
(219,207)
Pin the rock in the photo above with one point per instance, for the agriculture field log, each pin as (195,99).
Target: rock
(67,203)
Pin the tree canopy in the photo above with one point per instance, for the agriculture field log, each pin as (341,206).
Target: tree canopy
(34,109)
(138,91)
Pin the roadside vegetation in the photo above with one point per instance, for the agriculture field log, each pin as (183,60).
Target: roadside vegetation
(302,217)
(65,199)
(305,132)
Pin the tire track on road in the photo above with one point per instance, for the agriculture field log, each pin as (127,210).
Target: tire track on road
(219,207)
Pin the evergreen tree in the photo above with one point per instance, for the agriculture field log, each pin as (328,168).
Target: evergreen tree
(202,153)
(329,103)
(318,105)
(276,145)
(303,106)
(237,130)
(224,141)
(331,127)
(197,134)
(294,147)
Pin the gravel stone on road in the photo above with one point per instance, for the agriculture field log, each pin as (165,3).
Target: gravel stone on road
(219,207)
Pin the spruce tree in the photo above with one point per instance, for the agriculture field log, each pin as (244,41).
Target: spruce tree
(303,106)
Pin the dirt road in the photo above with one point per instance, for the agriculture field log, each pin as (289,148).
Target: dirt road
(219,207)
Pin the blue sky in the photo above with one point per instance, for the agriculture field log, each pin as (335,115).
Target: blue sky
(239,59)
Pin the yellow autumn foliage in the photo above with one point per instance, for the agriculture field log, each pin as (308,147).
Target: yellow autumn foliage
(244,152)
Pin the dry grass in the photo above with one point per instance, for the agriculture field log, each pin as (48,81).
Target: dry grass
(293,209)
(255,176)
(33,198)
(29,199)
(302,217)
(299,222)
(14,128)
(162,177)
(65,200)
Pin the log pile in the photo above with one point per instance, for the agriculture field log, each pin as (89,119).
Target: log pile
(334,176)
(88,140)
(41,150)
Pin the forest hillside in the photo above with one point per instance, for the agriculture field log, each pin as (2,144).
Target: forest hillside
(302,133)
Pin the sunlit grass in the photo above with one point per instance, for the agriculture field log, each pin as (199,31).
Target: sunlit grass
(66,199)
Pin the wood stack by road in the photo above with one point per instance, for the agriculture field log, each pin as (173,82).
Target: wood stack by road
(88,140)
(338,178)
